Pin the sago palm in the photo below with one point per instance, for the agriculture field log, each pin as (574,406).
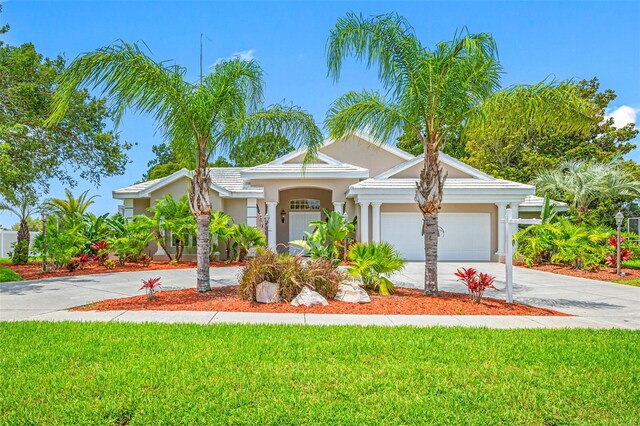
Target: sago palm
(433,94)
(582,183)
(196,118)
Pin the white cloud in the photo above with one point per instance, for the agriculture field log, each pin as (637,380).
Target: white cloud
(244,55)
(624,115)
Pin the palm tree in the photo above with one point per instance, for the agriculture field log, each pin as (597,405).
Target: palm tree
(196,119)
(22,205)
(433,94)
(70,207)
(581,183)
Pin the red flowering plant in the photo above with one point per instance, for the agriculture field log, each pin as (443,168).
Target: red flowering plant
(84,259)
(612,259)
(150,286)
(476,282)
(101,250)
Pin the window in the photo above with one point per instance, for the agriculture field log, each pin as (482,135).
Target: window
(304,204)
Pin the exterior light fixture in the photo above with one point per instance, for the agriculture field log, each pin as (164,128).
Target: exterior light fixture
(283,215)
(619,219)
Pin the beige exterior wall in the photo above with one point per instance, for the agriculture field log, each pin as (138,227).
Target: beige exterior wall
(414,172)
(236,208)
(282,229)
(273,187)
(529,215)
(140,206)
(362,153)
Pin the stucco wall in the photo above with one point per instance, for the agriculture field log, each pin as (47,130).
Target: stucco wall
(282,229)
(273,187)
(364,154)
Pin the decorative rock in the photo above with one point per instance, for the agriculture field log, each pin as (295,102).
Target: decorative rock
(308,297)
(267,292)
(352,293)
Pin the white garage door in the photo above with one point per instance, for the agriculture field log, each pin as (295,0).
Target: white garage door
(467,236)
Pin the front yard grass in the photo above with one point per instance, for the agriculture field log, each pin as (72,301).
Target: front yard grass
(7,274)
(109,373)
(632,263)
(634,282)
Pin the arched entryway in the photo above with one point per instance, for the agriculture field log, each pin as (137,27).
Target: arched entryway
(296,208)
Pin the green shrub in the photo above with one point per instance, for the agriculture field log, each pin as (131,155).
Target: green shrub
(65,240)
(291,273)
(327,241)
(373,263)
(20,252)
(580,246)
(109,264)
(73,264)
(245,238)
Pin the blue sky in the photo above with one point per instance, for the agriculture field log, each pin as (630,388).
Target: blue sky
(535,40)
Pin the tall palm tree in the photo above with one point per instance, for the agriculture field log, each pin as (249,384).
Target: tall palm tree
(197,119)
(432,94)
(70,206)
(581,183)
(22,205)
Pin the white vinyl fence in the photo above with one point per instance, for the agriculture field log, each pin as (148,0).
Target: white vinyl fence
(7,238)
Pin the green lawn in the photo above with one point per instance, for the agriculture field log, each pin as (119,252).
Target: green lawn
(5,260)
(115,374)
(633,263)
(634,282)
(7,274)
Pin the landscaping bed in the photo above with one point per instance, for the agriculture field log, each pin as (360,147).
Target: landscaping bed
(604,274)
(403,301)
(117,374)
(33,271)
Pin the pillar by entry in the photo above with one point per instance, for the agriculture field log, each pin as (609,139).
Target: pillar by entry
(375,222)
(364,222)
(271,224)
(338,206)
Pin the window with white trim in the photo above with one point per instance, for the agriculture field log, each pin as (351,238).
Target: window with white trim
(304,204)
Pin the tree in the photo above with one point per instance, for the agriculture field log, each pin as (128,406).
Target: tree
(31,155)
(23,204)
(165,162)
(519,153)
(71,207)
(32,224)
(434,93)
(582,183)
(196,119)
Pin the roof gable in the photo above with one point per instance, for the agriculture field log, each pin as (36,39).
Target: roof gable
(455,168)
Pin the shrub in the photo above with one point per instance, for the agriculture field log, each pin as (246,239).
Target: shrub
(150,286)
(476,282)
(612,259)
(291,273)
(109,264)
(174,262)
(328,239)
(101,251)
(145,259)
(84,259)
(373,263)
(73,264)
(20,253)
(247,237)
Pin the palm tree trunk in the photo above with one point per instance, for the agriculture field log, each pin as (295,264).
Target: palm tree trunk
(429,197)
(21,251)
(201,208)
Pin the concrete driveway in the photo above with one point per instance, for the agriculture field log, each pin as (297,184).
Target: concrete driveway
(615,304)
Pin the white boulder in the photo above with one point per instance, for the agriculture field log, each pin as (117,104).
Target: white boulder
(352,293)
(308,297)
(267,292)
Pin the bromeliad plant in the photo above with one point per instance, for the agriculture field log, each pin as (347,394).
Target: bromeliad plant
(151,286)
(373,263)
(625,254)
(476,282)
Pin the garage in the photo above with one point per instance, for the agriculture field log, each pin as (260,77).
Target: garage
(467,236)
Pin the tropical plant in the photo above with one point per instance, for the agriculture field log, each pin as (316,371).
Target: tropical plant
(476,282)
(174,217)
(625,254)
(220,229)
(328,238)
(100,250)
(247,237)
(131,245)
(64,241)
(549,213)
(564,242)
(373,263)
(435,94)
(109,264)
(151,286)
(582,183)
(23,206)
(68,208)
(196,118)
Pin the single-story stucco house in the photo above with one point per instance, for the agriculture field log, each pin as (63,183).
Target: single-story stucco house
(357,176)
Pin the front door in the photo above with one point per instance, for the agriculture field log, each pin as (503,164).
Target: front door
(298,225)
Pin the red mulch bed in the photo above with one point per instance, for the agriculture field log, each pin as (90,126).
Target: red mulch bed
(403,301)
(604,274)
(33,271)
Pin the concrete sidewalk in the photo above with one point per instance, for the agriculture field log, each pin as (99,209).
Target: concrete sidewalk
(198,317)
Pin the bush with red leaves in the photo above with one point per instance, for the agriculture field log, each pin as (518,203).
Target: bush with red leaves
(476,282)
(612,260)
(150,286)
